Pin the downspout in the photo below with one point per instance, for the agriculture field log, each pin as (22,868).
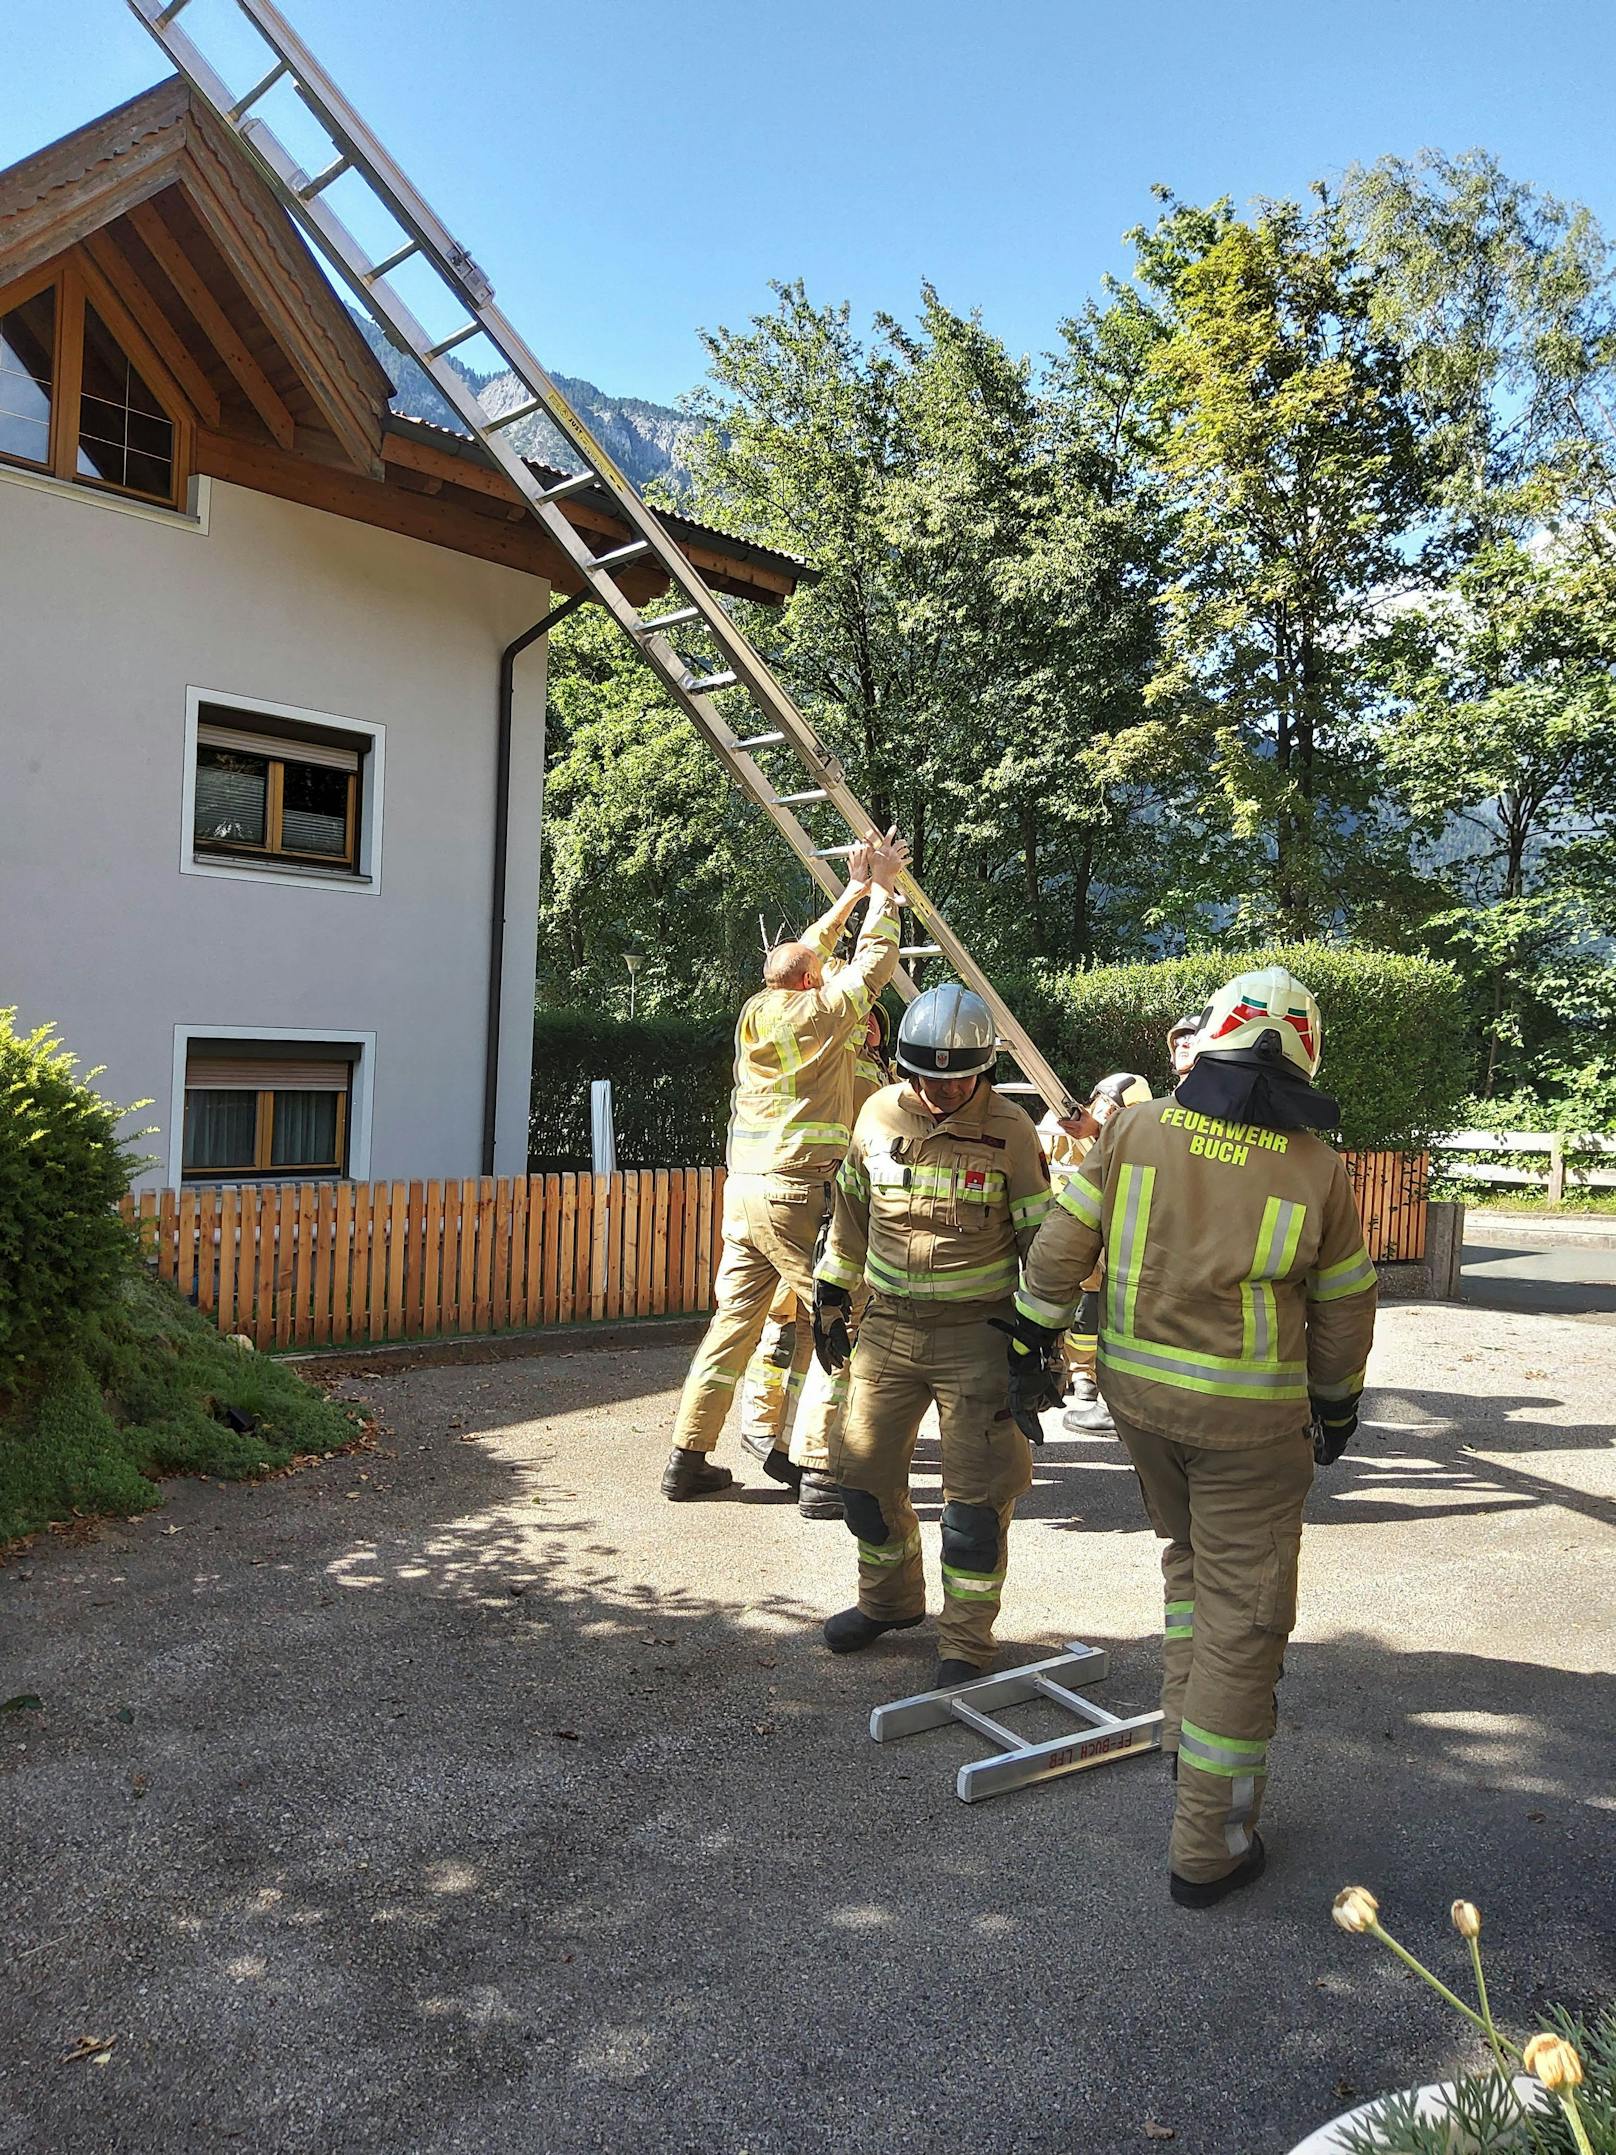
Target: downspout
(502,811)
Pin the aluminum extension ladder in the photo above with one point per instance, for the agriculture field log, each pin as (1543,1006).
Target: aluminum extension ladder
(693,683)
(1019,1763)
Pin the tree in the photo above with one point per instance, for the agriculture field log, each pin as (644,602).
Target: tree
(1291,459)
(1510,733)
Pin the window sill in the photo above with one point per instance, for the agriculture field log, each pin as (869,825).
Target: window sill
(263,871)
(192,518)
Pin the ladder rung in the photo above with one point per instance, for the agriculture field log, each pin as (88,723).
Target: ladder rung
(985,1725)
(833,853)
(707,684)
(520,412)
(801,800)
(168,14)
(390,262)
(1020,1085)
(634,551)
(760,740)
(461,336)
(921,950)
(574,485)
(322,180)
(668,621)
(262,89)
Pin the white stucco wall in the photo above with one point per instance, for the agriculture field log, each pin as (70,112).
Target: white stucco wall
(107,619)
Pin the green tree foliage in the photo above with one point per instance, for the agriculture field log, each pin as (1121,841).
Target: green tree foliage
(64,1252)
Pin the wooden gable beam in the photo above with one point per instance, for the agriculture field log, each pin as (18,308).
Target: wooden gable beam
(53,200)
(118,275)
(250,378)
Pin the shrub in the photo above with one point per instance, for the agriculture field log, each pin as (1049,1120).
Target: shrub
(1395,1048)
(1574,1114)
(141,1391)
(671,1080)
(63,1250)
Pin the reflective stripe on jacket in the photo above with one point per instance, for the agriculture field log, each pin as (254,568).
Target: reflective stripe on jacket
(792,1108)
(1237,1281)
(934,1212)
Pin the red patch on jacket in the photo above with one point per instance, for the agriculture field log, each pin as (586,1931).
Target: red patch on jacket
(976,1179)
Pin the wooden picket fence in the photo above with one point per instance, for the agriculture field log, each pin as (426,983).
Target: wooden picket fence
(322,1264)
(329,1264)
(1391,1189)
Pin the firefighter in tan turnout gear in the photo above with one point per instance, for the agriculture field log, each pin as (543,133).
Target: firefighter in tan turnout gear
(1067,1141)
(942,1188)
(1237,1314)
(790,1121)
(784,1366)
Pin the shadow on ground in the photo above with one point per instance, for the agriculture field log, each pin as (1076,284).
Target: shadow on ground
(486,1804)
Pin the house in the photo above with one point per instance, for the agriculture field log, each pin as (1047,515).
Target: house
(253,632)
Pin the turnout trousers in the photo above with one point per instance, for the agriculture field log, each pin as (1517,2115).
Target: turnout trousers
(784,1369)
(771,1223)
(910,1357)
(1232,1523)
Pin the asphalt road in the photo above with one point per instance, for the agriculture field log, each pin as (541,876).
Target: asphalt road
(1562,1280)
(467,1799)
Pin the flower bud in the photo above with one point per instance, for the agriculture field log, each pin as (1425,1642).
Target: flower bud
(1554,2061)
(1355,1908)
(1466,1919)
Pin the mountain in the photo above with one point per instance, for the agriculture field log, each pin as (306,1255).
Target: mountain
(647,440)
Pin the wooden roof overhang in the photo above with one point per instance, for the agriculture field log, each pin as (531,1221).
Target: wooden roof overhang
(284,394)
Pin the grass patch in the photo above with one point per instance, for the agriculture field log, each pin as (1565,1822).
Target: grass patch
(1578,1205)
(143,1393)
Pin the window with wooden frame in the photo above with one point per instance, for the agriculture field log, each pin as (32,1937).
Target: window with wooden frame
(82,394)
(251,1115)
(280,794)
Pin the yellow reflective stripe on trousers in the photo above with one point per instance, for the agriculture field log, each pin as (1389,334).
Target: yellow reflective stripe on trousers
(887,1553)
(1220,1376)
(972,1585)
(1354,1275)
(1125,1250)
(1232,1756)
(1277,1237)
(1180,1622)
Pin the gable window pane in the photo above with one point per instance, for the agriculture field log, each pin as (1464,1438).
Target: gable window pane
(232,794)
(305,1130)
(314,817)
(27,354)
(220,1129)
(125,436)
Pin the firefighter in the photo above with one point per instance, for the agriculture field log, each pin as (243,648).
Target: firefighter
(1181,1043)
(784,1365)
(1238,1310)
(789,1126)
(1066,1142)
(942,1186)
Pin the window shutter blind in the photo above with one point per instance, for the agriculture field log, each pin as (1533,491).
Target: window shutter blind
(209,735)
(219,1075)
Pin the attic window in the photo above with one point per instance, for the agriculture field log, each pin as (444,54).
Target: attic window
(81,394)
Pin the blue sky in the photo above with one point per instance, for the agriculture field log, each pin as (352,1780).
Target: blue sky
(629,172)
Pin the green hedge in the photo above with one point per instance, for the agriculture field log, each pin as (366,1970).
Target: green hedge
(671,1081)
(1396,1052)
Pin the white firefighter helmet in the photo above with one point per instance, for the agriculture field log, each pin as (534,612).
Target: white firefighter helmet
(1247,1009)
(1125,1087)
(948,1033)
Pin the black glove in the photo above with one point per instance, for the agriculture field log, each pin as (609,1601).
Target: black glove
(832,1341)
(1032,1351)
(1334,1421)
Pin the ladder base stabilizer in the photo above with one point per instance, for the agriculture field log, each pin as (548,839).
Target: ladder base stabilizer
(1019,1764)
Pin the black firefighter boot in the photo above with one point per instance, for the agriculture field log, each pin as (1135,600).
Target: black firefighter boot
(819,1496)
(1207,1892)
(692,1474)
(849,1631)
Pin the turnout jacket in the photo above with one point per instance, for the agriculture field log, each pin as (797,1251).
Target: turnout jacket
(936,1212)
(791,1112)
(1237,1281)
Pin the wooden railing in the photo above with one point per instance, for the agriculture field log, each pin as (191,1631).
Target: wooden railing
(1553,1145)
(318,1264)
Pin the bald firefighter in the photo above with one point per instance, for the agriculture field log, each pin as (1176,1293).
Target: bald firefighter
(1067,1141)
(942,1187)
(790,1123)
(1237,1316)
(784,1365)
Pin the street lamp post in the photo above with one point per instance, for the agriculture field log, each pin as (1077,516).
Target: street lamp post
(633,959)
